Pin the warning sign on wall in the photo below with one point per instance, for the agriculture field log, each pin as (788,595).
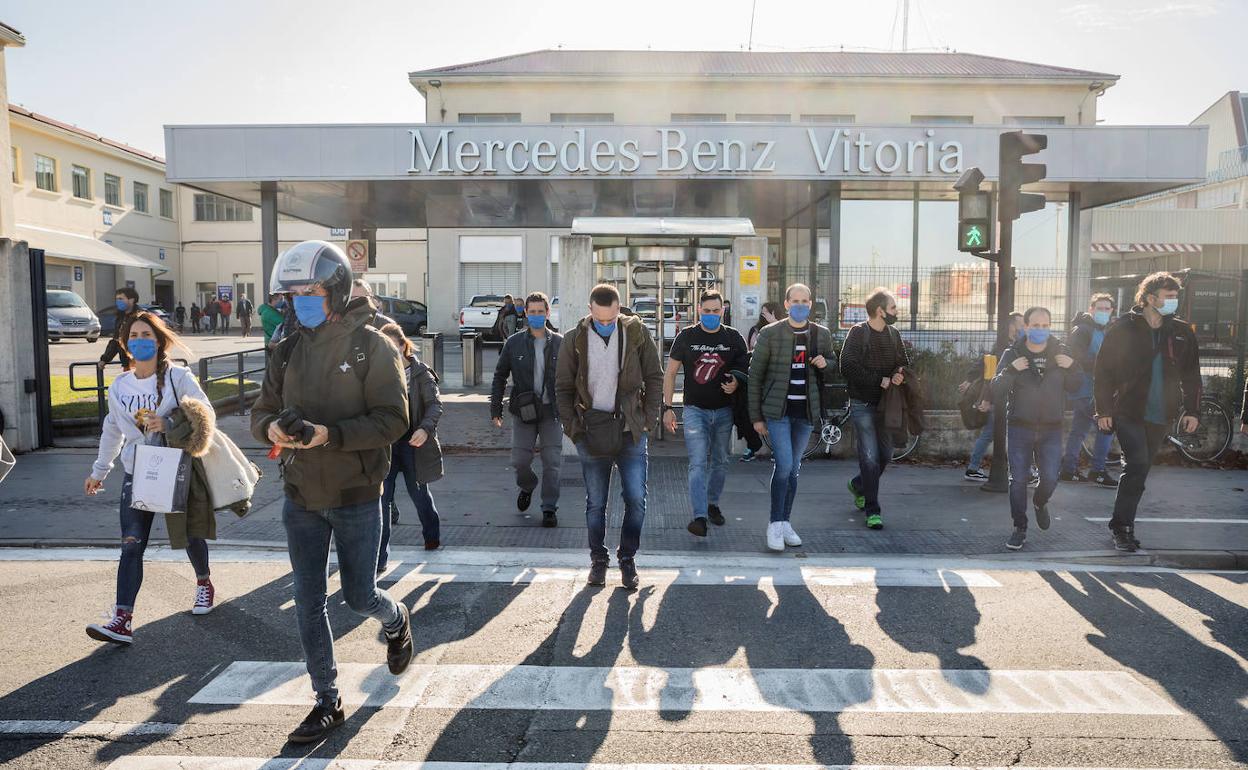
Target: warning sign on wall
(751,271)
(357,252)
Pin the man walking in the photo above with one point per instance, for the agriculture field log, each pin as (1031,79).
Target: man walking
(716,363)
(271,315)
(244,311)
(211,311)
(1085,342)
(974,374)
(179,317)
(608,389)
(1032,381)
(226,310)
(127,300)
(530,358)
(1147,374)
(872,360)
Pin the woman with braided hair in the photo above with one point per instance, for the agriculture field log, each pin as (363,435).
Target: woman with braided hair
(139,404)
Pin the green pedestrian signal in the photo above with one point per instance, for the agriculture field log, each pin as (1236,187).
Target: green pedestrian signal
(974,236)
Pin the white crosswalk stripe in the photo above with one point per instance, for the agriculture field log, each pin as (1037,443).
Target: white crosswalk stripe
(93,729)
(645,688)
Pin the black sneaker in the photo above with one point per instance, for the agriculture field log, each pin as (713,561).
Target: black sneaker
(715,515)
(399,646)
(316,724)
(1103,479)
(1124,540)
(523,499)
(1075,476)
(1015,543)
(549,519)
(1033,480)
(697,527)
(1042,516)
(597,574)
(628,574)
(975,475)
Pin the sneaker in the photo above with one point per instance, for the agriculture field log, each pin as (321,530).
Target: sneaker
(1124,540)
(1075,476)
(1033,480)
(523,499)
(975,475)
(748,456)
(1114,461)
(697,527)
(1042,516)
(597,574)
(116,630)
(394,515)
(399,645)
(628,574)
(1015,543)
(860,502)
(775,536)
(318,722)
(1103,479)
(790,537)
(715,515)
(433,545)
(875,521)
(204,595)
(549,519)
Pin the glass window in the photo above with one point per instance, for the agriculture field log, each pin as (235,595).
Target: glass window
(214,208)
(1034,120)
(15,173)
(82,181)
(45,173)
(489,117)
(826,118)
(699,117)
(763,117)
(112,190)
(582,117)
(140,197)
(877,248)
(942,120)
(166,203)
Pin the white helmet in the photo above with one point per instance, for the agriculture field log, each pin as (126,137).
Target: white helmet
(314,263)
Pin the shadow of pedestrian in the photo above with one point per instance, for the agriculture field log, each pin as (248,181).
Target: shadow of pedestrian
(907,616)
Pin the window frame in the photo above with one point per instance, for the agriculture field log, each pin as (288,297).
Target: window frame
(15,157)
(54,174)
(74,168)
(146,208)
(120,202)
(942,120)
(699,117)
(564,118)
(161,194)
(488,117)
(217,205)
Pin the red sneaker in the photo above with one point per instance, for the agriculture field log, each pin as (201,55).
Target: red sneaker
(204,595)
(116,630)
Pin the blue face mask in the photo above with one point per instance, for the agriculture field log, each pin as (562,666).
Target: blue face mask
(142,348)
(1101,317)
(281,305)
(605,330)
(799,313)
(1169,306)
(710,321)
(519,308)
(123,305)
(310,310)
(1038,336)
(536,321)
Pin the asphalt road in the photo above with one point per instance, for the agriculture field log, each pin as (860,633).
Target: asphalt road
(717,659)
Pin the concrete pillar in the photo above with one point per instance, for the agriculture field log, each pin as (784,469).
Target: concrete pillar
(268,235)
(576,278)
(1078,258)
(17,364)
(745,279)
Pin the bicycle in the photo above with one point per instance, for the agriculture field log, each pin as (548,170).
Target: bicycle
(830,429)
(1212,438)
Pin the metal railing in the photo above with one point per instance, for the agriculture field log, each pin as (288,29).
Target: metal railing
(99,388)
(240,371)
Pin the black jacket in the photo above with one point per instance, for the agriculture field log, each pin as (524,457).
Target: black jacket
(1083,327)
(114,349)
(862,378)
(516,360)
(1124,368)
(1035,400)
(425,406)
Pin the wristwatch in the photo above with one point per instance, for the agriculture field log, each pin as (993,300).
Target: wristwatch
(666,407)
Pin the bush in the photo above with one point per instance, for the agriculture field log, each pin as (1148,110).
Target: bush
(942,371)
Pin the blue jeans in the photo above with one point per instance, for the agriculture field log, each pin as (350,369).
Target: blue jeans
(707,431)
(981,446)
(1024,444)
(875,451)
(136,528)
(1081,421)
(403,460)
(789,437)
(632,462)
(356,530)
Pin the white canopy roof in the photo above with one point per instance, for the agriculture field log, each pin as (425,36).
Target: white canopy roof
(681,227)
(58,243)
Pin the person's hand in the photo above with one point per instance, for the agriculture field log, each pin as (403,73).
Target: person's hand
(1063,360)
(984,406)
(1188,423)
(276,436)
(92,486)
(154,424)
(419,437)
(963,387)
(320,437)
(1106,424)
(1020,363)
(669,420)
(899,378)
(730,386)
(819,362)
(498,422)
(760,428)
(884,383)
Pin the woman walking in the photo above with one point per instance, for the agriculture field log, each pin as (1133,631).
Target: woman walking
(139,404)
(417,456)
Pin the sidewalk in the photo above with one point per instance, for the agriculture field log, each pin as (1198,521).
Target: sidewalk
(1190,517)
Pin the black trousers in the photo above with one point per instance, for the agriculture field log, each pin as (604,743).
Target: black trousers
(1140,442)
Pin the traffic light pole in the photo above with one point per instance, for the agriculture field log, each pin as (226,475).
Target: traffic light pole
(999,473)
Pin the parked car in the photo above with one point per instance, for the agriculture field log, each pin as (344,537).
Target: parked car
(673,320)
(480,314)
(70,318)
(108,316)
(413,316)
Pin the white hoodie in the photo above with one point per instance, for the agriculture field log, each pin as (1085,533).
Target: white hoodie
(126,396)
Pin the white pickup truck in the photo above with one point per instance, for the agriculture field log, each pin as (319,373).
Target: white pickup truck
(480,314)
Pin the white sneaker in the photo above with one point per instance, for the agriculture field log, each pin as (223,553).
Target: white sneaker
(790,537)
(775,536)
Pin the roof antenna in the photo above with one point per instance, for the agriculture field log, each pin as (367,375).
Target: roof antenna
(905,25)
(753,6)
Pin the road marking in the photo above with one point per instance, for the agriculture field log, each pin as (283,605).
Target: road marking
(91,729)
(151,762)
(643,688)
(1164,520)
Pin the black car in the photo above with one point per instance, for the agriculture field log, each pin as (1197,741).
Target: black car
(413,316)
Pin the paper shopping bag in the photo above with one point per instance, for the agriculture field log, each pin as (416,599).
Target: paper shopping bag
(162,479)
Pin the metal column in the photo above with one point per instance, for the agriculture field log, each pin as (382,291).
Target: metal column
(268,235)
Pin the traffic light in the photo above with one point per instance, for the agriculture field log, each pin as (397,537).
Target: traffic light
(1012,202)
(975,233)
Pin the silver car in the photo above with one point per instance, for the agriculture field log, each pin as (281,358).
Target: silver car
(69,317)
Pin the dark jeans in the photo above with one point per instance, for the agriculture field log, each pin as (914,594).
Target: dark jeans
(1140,441)
(524,446)
(632,462)
(875,451)
(1023,444)
(403,461)
(789,437)
(356,530)
(136,528)
(1081,421)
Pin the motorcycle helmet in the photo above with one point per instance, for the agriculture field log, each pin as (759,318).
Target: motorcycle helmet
(314,263)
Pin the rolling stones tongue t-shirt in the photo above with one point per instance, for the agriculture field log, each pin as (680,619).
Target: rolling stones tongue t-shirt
(707,358)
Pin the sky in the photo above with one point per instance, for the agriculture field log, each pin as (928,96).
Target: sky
(125,69)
